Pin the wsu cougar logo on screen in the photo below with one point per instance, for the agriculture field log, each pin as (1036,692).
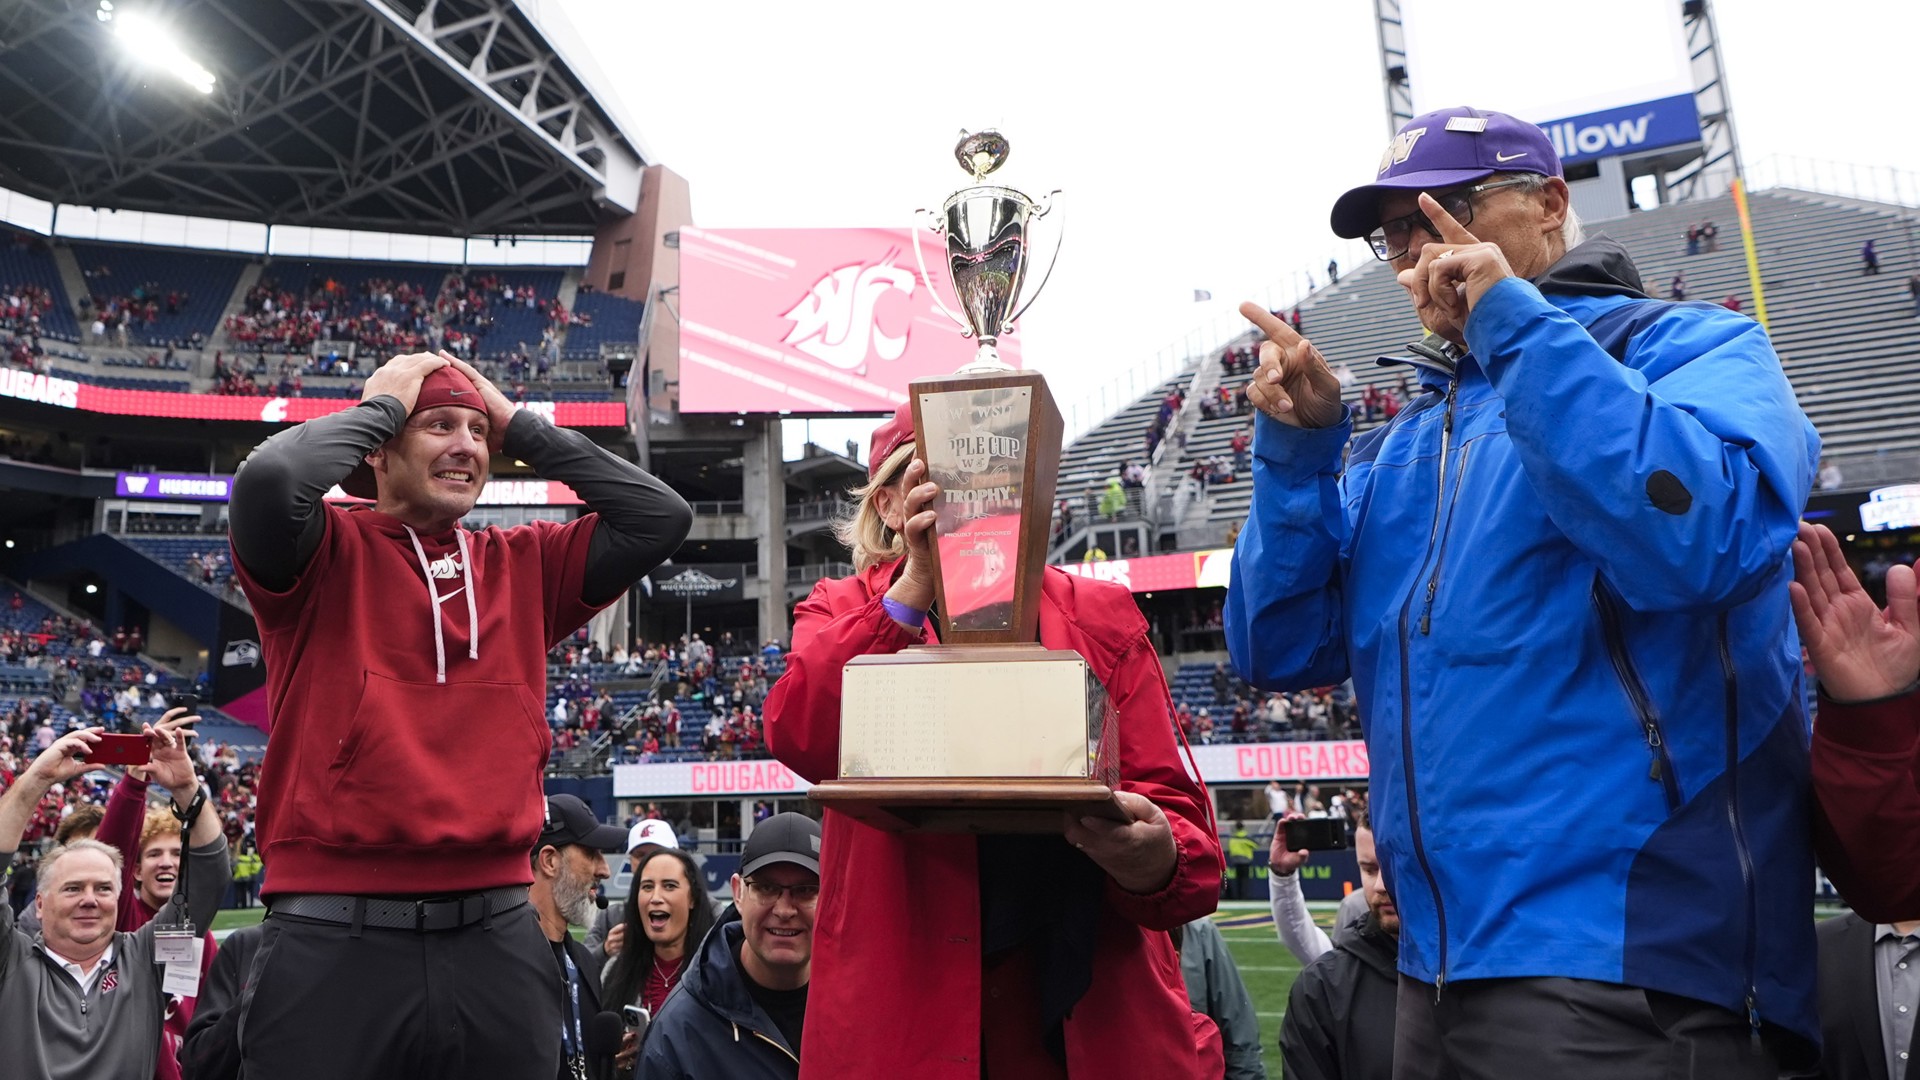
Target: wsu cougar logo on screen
(834,320)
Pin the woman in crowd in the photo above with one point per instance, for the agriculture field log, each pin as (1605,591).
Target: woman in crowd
(666,915)
(1041,956)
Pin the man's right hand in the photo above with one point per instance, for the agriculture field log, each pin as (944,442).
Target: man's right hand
(401,377)
(1279,859)
(1859,652)
(1293,384)
(57,764)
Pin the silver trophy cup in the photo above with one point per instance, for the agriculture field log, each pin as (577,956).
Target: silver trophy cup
(986,229)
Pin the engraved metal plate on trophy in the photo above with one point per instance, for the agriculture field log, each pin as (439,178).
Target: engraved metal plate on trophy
(988,731)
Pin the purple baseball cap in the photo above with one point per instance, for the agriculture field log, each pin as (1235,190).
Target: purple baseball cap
(1442,149)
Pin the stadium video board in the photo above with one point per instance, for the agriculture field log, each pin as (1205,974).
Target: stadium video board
(813,320)
(64,393)
(1622,84)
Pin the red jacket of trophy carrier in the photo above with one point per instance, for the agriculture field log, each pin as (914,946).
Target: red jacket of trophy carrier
(896,982)
(1866,786)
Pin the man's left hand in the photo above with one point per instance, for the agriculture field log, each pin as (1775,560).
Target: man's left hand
(168,764)
(499,410)
(1140,855)
(1452,275)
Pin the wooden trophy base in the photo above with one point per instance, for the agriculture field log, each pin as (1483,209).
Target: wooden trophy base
(988,806)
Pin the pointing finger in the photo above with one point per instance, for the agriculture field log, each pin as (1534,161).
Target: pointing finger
(1450,230)
(1275,328)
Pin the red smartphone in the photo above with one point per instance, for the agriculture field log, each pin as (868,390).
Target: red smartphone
(120,750)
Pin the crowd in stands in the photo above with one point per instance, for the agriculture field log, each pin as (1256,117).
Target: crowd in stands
(1237,713)
(726,680)
(115,316)
(380,314)
(1703,238)
(21,307)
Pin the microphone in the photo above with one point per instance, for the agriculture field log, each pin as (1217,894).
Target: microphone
(603,1033)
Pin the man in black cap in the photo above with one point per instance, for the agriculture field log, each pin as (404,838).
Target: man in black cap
(568,862)
(740,1006)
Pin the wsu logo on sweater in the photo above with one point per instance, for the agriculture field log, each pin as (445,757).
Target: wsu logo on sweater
(444,568)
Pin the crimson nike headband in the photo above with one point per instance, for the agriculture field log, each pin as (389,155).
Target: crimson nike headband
(1443,149)
(446,386)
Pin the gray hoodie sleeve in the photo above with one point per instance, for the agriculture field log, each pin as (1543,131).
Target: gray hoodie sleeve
(642,521)
(276,514)
(1226,999)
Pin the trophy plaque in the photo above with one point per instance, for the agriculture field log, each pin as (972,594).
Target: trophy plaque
(987,731)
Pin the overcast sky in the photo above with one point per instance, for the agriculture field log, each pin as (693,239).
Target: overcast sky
(1200,145)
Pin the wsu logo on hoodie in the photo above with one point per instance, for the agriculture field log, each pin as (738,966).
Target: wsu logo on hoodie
(446,568)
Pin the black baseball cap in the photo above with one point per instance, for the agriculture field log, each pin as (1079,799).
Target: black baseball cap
(782,838)
(570,821)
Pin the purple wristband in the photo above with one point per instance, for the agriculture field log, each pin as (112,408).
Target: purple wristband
(909,617)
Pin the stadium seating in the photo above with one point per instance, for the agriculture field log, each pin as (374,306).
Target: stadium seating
(207,280)
(123,382)
(515,324)
(296,274)
(1846,340)
(616,320)
(173,552)
(25,260)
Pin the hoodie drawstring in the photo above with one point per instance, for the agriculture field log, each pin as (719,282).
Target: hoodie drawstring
(473,611)
(433,594)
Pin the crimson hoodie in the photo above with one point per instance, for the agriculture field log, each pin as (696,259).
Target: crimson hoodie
(406,675)
(1866,787)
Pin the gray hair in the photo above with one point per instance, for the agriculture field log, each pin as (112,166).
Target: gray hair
(52,858)
(1571,234)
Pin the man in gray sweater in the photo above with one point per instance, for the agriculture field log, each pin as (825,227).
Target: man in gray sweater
(79,1000)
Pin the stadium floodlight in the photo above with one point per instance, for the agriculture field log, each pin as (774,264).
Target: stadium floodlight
(155,45)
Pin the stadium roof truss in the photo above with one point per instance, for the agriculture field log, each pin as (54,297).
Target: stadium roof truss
(453,117)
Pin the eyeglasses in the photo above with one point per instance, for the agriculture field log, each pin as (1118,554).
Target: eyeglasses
(1392,238)
(767,892)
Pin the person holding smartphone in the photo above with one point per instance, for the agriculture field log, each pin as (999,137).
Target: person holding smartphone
(86,1000)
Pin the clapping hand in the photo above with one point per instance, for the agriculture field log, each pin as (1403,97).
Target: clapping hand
(1860,652)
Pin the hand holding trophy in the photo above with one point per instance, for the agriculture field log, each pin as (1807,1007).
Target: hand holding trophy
(998,734)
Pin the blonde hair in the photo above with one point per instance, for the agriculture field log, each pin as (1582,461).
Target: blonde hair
(863,531)
(158,823)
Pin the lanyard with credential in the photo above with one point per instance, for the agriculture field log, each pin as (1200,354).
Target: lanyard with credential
(572,1038)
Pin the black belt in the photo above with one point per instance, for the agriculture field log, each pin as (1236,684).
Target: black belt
(386,913)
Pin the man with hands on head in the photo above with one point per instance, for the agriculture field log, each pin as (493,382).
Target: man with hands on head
(82,1000)
(1866,746)
(1558,580)
(406,670)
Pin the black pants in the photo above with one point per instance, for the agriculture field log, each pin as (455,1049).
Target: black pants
(1568,1029)
(324,1003)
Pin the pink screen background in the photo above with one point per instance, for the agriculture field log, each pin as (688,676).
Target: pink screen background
(813,320)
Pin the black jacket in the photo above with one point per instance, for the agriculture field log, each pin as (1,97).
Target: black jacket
(710,1028)
(1850,1004)
(1339,1023)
